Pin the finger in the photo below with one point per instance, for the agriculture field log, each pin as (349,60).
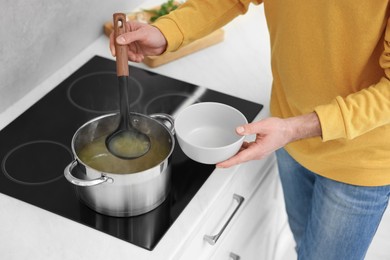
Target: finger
(244,146)
(112,44)
(248,129)
(135,57)
(243,156)
(129,37)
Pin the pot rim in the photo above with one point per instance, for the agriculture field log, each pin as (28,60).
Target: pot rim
(170,131)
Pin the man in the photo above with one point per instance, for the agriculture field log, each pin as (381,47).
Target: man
(330,106)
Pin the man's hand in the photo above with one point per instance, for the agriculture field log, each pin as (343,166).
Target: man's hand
(271,134)
(143,40)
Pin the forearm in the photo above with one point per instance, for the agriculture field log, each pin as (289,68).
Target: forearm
(356,114)
(304,126)
(195,19)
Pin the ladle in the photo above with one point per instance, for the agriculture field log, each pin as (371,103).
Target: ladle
(126,141)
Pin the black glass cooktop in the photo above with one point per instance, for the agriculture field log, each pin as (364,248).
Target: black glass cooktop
(35,147)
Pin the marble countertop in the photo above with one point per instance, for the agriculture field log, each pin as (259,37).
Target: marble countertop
(238,66)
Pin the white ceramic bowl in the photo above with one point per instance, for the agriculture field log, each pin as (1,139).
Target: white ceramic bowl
(206,132)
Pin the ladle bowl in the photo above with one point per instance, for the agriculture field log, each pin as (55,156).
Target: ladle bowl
(128,143)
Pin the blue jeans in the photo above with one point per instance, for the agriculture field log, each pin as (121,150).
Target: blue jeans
(329,219)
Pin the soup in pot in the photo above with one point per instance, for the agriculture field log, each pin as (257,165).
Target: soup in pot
(97,156)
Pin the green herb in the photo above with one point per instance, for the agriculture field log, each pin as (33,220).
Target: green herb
(164,9)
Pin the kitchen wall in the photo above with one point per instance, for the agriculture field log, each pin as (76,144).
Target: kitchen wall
(37,37)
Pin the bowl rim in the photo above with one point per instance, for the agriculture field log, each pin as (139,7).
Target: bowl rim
(180,115)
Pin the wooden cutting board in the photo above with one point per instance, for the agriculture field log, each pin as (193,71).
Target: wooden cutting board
(155,61)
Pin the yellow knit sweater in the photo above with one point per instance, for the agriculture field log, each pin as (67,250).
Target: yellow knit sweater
(328,56)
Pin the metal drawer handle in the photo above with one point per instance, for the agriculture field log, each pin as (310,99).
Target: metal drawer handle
(213,239)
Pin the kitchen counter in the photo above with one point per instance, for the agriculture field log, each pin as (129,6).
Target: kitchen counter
(238,66)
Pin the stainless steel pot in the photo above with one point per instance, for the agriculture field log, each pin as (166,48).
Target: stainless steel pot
(123,194)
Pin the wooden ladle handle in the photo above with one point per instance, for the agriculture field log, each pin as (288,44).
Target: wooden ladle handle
(122,67)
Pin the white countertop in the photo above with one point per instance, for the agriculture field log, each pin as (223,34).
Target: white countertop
(238,66)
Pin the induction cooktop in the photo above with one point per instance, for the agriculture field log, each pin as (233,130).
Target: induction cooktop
(35,147)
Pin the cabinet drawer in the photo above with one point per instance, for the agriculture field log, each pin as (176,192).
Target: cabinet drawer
(254,234)
(251,178)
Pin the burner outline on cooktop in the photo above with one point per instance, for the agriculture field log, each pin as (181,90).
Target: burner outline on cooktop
(135,82)
(10,177)
(187,100)
(148,105)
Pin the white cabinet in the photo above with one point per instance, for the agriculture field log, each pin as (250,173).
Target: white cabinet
(245,221)
(254,234)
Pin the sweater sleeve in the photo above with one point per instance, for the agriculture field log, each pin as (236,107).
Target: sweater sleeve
(360,112)
(197,18)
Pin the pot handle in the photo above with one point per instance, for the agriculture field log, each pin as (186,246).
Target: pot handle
(165,118)
(84,183)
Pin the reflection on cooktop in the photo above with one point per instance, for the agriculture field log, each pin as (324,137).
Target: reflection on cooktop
(35,147)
